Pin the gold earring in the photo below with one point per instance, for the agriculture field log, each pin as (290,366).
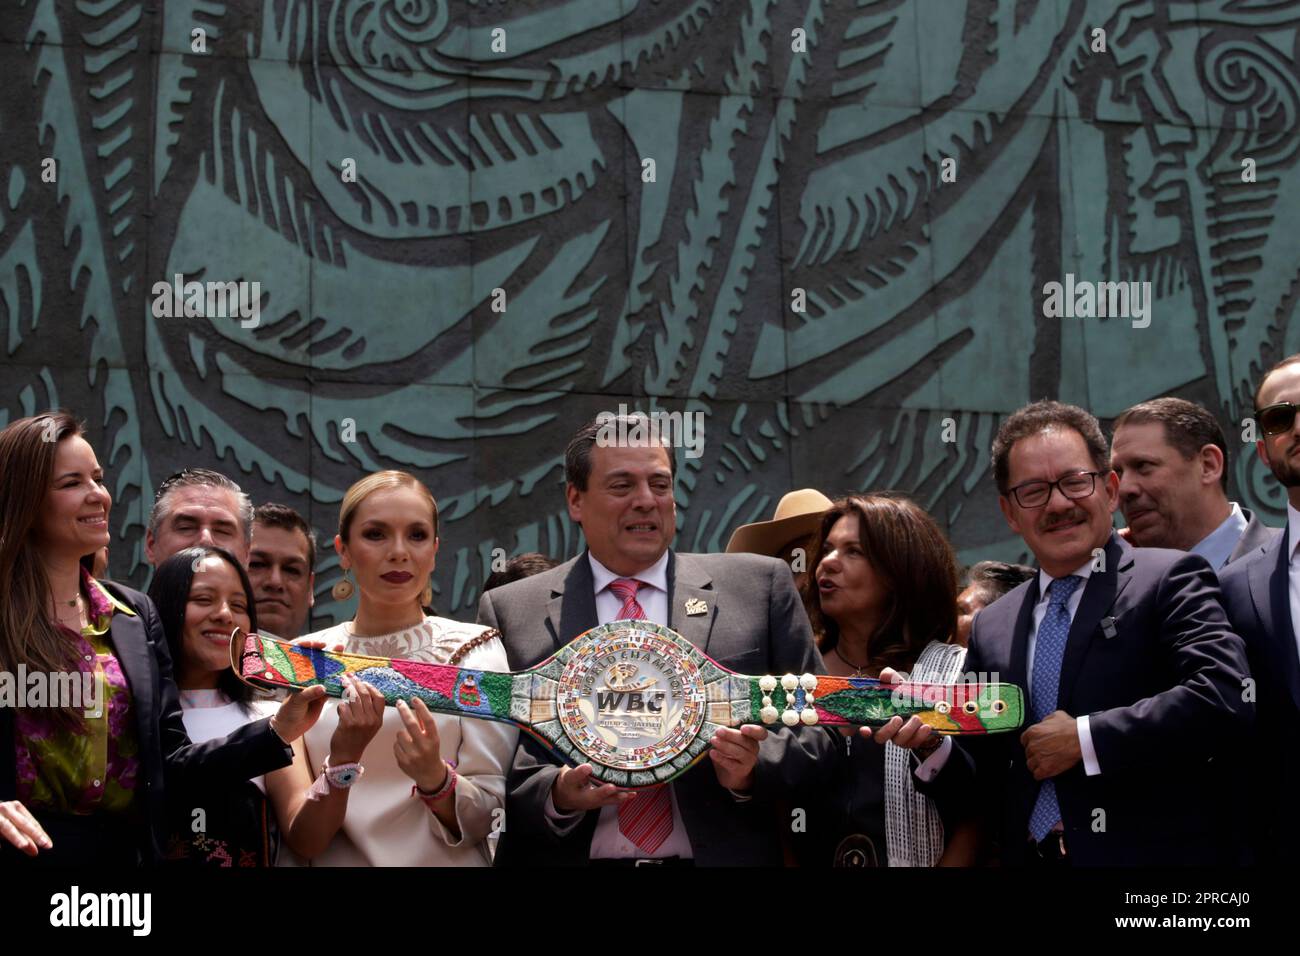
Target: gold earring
(426,596)
(342,590)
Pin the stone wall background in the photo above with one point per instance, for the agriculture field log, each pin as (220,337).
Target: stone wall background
(778,168)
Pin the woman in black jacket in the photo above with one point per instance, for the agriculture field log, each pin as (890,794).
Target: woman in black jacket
(91,735)
(883,595)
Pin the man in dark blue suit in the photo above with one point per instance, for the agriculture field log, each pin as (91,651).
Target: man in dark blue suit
(1262,597)
(1134,680)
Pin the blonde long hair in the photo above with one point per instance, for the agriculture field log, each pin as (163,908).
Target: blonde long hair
(382,481)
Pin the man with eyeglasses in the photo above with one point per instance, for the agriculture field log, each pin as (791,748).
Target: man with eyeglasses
(1133,677)
(1262,597)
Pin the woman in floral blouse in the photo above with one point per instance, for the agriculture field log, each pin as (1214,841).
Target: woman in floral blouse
(87,744)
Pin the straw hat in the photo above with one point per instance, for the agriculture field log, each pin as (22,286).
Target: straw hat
(799,513)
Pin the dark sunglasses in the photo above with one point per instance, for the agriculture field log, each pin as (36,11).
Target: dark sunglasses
(1277,418)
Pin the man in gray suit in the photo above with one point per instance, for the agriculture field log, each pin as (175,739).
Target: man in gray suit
(740,609)
(1172,462)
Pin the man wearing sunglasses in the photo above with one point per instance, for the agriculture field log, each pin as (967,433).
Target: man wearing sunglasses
(1262,597)
(1172,461)
(1133,676)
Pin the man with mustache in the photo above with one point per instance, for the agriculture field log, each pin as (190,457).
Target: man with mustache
(1172,462)
(1133,676)
(1262,597)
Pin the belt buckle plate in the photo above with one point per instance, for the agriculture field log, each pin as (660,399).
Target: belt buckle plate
(1052,847)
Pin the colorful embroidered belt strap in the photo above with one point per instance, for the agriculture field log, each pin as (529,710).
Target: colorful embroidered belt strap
(444,688)
(975,708)
(637,701)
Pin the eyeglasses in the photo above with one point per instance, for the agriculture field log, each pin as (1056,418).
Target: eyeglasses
(1035,494)
(1277,418)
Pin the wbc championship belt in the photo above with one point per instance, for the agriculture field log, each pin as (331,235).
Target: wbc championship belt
(637,701)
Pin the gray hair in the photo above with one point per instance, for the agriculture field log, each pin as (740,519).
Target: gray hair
(194,478)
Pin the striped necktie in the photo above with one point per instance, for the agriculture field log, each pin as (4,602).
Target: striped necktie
(646,820)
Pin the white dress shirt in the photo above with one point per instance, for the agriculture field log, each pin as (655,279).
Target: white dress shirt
(1217,546)
(1293,575)
(653,599)
(608,842)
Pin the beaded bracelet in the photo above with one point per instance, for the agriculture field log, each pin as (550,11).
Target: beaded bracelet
(334,778)
(448,786)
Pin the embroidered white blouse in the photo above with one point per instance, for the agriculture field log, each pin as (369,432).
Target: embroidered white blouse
(385,825)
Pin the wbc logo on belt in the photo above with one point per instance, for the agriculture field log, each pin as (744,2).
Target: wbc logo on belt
(631,701)
(621,683)
(629,705)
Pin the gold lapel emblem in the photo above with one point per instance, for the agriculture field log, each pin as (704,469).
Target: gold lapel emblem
(695,607)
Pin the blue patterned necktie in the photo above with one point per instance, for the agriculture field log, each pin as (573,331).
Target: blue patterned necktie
(1049,652)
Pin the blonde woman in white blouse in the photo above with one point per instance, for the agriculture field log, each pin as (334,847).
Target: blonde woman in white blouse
(404,787)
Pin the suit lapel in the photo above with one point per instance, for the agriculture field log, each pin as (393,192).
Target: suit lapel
(572,607)
(1099,596)
(1269,606)
(1019,674)
(1270,590)
(1254,537)
(688,582)
(131,647)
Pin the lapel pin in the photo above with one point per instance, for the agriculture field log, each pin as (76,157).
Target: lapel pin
(1108,627)
(696,607)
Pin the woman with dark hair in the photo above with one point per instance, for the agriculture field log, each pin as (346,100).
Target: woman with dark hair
(202,594)
(82,776)
(883,597)
(197,591)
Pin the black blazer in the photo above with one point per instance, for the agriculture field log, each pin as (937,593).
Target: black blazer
(1152,660)
(756,625)
(167,757)
(1256,594)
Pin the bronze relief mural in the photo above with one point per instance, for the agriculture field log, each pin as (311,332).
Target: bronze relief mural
(826,226)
